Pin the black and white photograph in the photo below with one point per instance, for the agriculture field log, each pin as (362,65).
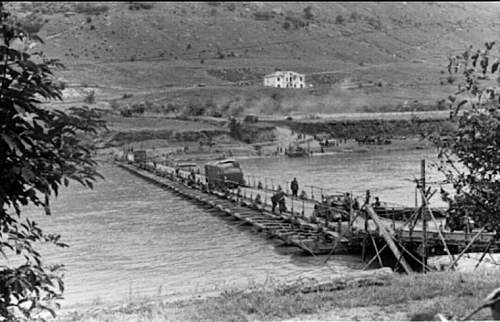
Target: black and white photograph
(249,161)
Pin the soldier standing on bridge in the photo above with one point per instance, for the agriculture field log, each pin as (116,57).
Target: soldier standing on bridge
(278,199)
(294,186)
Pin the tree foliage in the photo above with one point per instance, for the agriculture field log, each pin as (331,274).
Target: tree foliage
(470,155)
(41,148)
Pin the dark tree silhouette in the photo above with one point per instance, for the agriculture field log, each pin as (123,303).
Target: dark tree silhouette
(41,148)
(470,155)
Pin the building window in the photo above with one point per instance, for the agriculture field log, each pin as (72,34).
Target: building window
(278,79)
(278,86)
(300,78)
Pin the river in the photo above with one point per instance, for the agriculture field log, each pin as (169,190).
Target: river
(131,238)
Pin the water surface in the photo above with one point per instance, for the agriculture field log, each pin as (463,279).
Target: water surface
(131,237)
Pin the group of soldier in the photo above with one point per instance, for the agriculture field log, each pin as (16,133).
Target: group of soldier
(278,198)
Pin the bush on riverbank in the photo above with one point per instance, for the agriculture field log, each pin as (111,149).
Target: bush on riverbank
(452,294)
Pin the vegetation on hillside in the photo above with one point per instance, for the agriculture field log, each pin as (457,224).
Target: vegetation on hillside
(392,48)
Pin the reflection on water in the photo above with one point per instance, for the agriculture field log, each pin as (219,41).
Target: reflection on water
(129,236)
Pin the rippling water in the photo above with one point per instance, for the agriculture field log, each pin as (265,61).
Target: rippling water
(388,175)
(129,236)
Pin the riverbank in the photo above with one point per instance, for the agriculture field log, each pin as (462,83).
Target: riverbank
(211,138)
(379,297)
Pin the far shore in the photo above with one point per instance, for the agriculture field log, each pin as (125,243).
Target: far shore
(245,152)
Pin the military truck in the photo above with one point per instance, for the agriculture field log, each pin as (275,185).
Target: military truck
(224,174)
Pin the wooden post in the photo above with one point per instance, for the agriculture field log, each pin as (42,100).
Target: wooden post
(387,237)
(486,250)
(411,255)
(265,191)
(367,202)
(466,248)
(416,199)
(375,257)
(426,205)
(325,212)
(351,215)
(424,221)
(363,251)
(377,252)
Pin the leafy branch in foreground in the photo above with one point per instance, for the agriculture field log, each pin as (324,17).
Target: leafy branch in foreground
(470,155)
(41,148)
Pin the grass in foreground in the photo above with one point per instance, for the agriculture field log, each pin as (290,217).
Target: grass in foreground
(452,294)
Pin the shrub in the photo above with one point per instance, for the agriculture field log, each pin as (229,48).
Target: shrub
(90,98)
(308,13)
(171,108)
(216,114)
(90,8)
(468,153)
(113,104)
(375,23)
(263,15)
(33,25)
(195,109)
(126,113)
(127,95)
(140,5)
(61,85)
(296,22)
(354,16)
(250,119)
(138,108)
(235,129)
(441,105)
(231,6)
(451,79)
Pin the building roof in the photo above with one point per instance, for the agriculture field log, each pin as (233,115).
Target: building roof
(282,73)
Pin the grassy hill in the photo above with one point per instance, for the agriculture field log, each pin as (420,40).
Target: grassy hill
(394,53)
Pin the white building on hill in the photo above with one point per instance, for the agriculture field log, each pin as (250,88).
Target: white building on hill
(285,79)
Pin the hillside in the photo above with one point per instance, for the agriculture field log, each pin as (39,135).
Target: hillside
(169,52)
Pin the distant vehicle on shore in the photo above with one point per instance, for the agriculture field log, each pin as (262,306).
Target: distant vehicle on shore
(138,156)
(296,151)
